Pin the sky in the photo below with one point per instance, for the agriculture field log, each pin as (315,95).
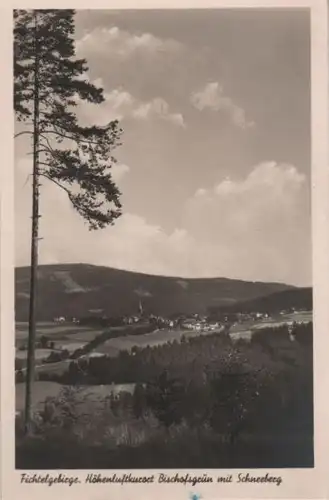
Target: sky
(215,163)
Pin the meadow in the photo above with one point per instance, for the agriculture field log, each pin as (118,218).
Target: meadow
(88,394)
(245,329)
(111,341)
(203,402)
(55,331)
(39,354)
(153,339)
(70,345)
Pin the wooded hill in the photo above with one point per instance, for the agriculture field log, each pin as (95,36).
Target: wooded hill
(295,298)
(76,290)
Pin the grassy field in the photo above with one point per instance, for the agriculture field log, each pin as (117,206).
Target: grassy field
(84,335)
(59,368)
(39,354)
(90,394)
(153,339)
(278,319)
(40,391)
(68,332)
(245,329)
(70,345)
(75,337)
(54,331)
(70,337)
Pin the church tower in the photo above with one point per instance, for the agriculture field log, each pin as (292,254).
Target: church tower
(140,307)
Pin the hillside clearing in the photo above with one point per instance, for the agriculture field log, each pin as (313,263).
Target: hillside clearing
(89,393)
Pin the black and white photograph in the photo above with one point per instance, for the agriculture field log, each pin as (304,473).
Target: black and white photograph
(163,239)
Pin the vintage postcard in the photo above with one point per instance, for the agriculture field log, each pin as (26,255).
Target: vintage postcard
(165,250)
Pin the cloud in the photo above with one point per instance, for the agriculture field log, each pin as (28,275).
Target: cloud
(267,200)
(248,228)
(120,104)
(200,192)
(269,178)
(158,108)
(212,97)
(261,220)
(119,171)
(116,43)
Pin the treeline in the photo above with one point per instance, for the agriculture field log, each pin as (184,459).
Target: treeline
(63,354)
(205,402)
(102,322)
(299,299)
(268,352)
(111,334)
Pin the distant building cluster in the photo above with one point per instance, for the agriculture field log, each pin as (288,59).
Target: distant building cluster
(59,319)
(199,325)
(215,322)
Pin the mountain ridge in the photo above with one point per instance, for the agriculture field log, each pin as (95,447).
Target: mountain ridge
(171,276)
(75,290)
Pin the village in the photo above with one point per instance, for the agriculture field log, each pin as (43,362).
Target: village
(193,322)
(97,335)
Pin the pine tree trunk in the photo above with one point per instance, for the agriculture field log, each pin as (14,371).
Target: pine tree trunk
(34,244)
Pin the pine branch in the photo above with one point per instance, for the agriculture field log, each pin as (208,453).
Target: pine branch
(60,89)
(44,174)
(29,132)
(48,143)
(75,138)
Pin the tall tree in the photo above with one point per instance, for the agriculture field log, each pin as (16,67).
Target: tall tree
(49,84)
